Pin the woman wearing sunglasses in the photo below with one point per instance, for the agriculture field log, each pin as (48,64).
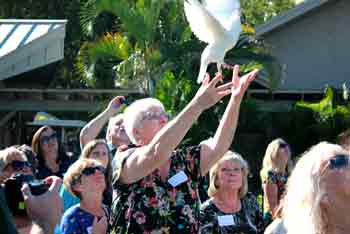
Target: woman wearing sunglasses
(13,162)
(51,156)
(274,174)
(98,150)
(86,180)
(318,193)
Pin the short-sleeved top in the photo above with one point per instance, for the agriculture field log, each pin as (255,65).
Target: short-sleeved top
(43,171)
(78,221)
(246,221)
(280,180)
(153,206)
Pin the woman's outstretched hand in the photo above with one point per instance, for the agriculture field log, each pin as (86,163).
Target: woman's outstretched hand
(209,93)
(240,84)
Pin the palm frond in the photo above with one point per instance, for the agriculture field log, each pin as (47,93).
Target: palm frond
(111,45)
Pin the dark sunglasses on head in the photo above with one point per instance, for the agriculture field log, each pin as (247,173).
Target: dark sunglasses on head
(91,170)
(338,161)
(284,145)
(47,139)
(19,165)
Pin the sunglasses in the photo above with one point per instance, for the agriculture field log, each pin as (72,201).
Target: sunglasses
(47,139)
(155,115)
(284,145)
(20,165)
(338,161)
(91,170)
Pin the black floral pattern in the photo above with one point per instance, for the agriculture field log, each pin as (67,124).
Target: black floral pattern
(151,206)
(280,180)
(246,221)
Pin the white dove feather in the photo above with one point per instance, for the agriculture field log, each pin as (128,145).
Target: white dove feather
(216,22)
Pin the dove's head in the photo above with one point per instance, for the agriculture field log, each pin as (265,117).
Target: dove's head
(143,119)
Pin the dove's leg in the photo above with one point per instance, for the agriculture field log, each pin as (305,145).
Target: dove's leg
(228,66)
(218,65)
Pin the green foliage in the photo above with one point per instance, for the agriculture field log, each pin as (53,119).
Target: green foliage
(326,109)
(174,92)
(257,12)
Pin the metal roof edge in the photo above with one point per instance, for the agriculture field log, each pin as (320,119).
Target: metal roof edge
(49,21)
(289,15)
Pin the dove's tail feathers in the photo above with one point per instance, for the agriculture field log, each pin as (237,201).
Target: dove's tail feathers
(202,72)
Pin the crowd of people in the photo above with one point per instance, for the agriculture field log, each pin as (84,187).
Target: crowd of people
(138,180)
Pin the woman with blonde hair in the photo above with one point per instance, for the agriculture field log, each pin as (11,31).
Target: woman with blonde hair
(230,209)
(274,174)
(318,195)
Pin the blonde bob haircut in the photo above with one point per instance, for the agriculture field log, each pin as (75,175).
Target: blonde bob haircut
(75,172)
(232,157)
(270,157)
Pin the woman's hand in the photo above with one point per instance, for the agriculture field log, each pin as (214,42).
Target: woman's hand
(208,94)
(115,104)
(240,84)
(46,209)
(100,227)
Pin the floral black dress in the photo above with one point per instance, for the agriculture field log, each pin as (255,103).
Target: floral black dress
(280,180)
(246,221)
(151,206)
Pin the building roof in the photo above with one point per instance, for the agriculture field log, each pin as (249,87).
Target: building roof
(29,44)
(290,15)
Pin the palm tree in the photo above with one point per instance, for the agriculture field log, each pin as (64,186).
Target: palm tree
(153,40)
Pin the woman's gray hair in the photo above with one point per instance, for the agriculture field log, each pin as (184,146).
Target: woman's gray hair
(232,157)
(134,113)
(302,211)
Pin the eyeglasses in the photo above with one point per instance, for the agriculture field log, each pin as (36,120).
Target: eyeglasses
(338,161)
(149,115)
(91,170)
(234,170)
(47,139)
(18,165)
(120,128)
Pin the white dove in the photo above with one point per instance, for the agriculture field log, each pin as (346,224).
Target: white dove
(216,22)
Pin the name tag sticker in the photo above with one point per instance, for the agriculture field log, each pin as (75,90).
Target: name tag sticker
(177,179)
(226,220)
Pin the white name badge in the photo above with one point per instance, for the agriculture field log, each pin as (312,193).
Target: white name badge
(177,179)
(89,230)
(226,220)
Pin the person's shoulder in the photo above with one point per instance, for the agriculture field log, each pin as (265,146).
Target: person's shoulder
(72,211)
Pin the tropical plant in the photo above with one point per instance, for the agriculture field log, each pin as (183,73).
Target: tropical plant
(326,109)
(153,38)
(330,116)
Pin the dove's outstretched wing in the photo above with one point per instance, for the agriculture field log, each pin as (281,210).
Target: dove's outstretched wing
(203,24)
(227,12)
